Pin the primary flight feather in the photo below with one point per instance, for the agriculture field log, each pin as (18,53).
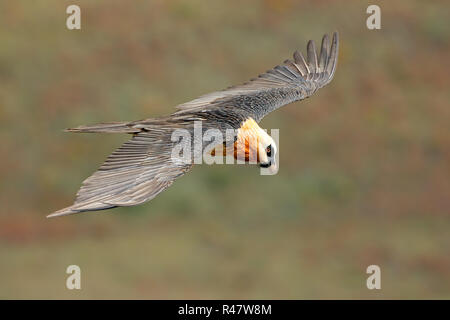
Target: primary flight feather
(143,167)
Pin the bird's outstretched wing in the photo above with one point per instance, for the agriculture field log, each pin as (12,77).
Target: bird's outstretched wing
(291,81)
(135,173)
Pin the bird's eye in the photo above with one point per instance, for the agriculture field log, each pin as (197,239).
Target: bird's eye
(269,151)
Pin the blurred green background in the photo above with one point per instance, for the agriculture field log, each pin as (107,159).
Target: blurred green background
(364,164)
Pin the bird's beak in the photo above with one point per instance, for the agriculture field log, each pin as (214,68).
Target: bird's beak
(269,170)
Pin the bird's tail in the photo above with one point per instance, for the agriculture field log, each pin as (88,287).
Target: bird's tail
(110,127)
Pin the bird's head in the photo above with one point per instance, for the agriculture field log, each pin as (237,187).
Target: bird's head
(267,151)
(255,145)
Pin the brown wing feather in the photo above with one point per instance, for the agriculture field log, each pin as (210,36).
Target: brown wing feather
(286,83)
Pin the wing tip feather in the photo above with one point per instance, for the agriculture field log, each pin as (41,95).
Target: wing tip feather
(63,212)
(332,58)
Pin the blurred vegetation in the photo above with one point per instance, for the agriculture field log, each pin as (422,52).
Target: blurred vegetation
(364,164)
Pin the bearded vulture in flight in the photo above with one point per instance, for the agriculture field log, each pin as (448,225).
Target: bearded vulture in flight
(145,166)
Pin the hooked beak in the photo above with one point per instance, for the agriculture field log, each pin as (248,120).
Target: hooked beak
(269,168)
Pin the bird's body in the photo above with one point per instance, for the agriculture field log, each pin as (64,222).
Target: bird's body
(144,166)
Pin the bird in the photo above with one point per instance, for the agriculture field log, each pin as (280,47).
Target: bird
(144,166)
